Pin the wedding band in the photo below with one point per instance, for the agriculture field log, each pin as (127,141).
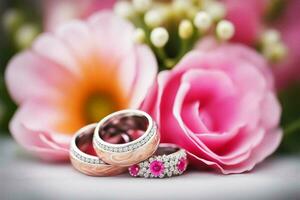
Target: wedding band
(82,157)
(139,127)
(169,160)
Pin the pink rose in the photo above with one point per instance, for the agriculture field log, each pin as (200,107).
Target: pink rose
(58,12)
(75,76)
(220,106)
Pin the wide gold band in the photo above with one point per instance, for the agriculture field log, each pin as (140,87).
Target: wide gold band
(132,152)
(86,163)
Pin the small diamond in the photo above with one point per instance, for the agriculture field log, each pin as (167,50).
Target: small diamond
(161,176)
(144,169)
(167,164)
(172,168)
(146,175)
(165,158)
(176,172)
(125,149)
(146,163)
(169,174)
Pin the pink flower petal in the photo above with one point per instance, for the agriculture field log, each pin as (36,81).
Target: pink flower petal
(50,48)
(28,76)
(145,74)
(33,133)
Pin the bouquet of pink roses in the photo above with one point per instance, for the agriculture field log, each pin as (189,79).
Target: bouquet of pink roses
(208,72)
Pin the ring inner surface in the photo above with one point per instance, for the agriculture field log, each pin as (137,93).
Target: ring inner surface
(84,142)
(165,150)
(123,128)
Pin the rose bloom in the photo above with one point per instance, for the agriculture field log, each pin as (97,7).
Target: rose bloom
(57,12)
(219,104)
(75,76)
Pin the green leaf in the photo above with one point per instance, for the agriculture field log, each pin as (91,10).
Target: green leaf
(290,101)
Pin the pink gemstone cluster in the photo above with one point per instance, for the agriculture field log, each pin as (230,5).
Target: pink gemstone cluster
(160,166)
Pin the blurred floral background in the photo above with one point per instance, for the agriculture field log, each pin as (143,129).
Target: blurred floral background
(23,20)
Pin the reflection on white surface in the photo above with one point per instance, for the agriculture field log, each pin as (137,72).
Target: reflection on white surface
(23,177)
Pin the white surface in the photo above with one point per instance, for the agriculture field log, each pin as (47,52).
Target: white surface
(23,177)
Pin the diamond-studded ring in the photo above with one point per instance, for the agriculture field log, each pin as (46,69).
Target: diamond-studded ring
(83,157)
(138,126)
(169,160)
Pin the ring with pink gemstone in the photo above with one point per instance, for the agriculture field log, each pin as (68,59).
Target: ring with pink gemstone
(139,128)
(168,160)
(83,156)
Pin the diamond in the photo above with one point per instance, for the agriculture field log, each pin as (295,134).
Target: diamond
(146,163)
(172,168)
(165,158)
(167,164)
(172,163)
(146,175)
(161,176)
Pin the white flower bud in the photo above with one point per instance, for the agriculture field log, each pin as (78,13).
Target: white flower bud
(153,18)
(124,9)
(25,35)
(202,21)
(225,30)
(139,35)
(270,37)
(185,29)
(275,51)
(159,37)
(216,10)
(142,5)
(180,7)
